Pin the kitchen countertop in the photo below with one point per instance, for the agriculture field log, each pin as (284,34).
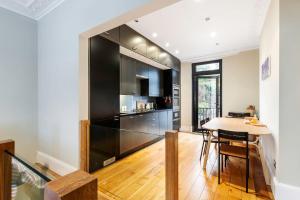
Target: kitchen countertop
(143,112)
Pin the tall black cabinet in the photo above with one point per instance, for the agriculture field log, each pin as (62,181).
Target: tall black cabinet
(104,80)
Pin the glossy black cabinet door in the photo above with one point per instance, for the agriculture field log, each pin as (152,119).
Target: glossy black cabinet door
(132,40)
(153,51)
(113,35)
(163,122)
(128,76)
(170,120)
(104,79)
(176,77)
(142,70)
(155,82)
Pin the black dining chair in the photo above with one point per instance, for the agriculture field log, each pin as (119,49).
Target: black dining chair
(229,149)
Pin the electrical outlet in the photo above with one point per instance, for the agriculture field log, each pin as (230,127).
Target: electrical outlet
(274,163)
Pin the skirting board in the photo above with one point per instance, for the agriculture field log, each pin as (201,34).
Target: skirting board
(54,164)
(186,129)
(284,191)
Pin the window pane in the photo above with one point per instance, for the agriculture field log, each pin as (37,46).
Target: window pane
(207,67)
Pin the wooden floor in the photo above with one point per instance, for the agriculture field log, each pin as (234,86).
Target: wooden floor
(141,176)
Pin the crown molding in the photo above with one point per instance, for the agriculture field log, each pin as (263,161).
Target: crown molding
(34,9)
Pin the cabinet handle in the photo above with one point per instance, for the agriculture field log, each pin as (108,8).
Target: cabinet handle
(141,115)
(131,117)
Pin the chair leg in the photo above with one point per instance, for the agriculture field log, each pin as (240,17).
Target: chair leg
(203,143)
(247,174)
(222,156)
(219,168)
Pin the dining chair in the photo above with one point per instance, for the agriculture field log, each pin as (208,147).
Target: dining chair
(229,149)
(205,133)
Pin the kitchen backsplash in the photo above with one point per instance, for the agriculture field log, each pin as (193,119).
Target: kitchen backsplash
(130,101)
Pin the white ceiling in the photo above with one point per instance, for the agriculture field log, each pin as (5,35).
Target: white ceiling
(237,25)
(34,9)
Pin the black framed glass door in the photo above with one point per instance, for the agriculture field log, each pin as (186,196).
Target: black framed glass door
(207,91)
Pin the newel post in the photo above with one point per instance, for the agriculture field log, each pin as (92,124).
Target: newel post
(78,185)
(6,168)
(172,165)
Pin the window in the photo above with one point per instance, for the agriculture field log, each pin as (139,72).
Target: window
(207,67)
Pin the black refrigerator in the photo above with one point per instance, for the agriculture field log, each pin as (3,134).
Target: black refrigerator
(104,110)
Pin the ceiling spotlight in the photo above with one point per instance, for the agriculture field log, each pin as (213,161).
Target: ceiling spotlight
(207,19)
(136,20)
(176,51)
(154,35)
(167,44)
(198,1)
(213,34)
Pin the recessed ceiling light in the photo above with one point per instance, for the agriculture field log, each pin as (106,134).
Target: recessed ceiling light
(167,44)
(176,51)
(207,19)
(136,20)
(154,35)
(197,1)
(213,34)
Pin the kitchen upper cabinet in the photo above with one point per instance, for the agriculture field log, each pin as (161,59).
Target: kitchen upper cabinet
(128,76)
(176,63)
(153,51)
(155,82)
(113,35)
(142,70)
(132,40)
(176,77)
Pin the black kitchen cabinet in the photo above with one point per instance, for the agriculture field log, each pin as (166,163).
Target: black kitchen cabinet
(104,84)
(170,120)
(132,40)
(128,76)
(153,123)
(163,122)
(142,70)
(176,77)
(112,35)
(155,82)
(153,51)
(137,130)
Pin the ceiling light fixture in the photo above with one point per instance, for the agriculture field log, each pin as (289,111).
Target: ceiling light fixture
(176,51)
(213,34)
(167,44)
(207,19)
(154,35)
(136,20)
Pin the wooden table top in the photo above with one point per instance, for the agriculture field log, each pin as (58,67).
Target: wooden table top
(234,124)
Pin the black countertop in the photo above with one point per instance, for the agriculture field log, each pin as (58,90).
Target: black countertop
(143,112)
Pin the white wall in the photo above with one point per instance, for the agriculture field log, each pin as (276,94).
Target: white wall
(18,87)
(240,85)
(240,81)
(269,88)
(186,97)
(62,83)
(289,93)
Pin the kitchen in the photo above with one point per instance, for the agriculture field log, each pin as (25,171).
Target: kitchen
(134,94)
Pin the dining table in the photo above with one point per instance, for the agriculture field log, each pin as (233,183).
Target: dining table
(233,124)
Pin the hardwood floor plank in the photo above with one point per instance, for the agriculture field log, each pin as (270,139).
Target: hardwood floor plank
(141,175)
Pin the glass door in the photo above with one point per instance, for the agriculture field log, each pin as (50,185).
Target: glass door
(207,95)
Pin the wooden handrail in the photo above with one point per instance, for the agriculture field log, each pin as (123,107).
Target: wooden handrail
(171,143)
(6,168)
(75,186)
(84,145)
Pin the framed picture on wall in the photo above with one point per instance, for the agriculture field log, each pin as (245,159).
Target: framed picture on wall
(266,69)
